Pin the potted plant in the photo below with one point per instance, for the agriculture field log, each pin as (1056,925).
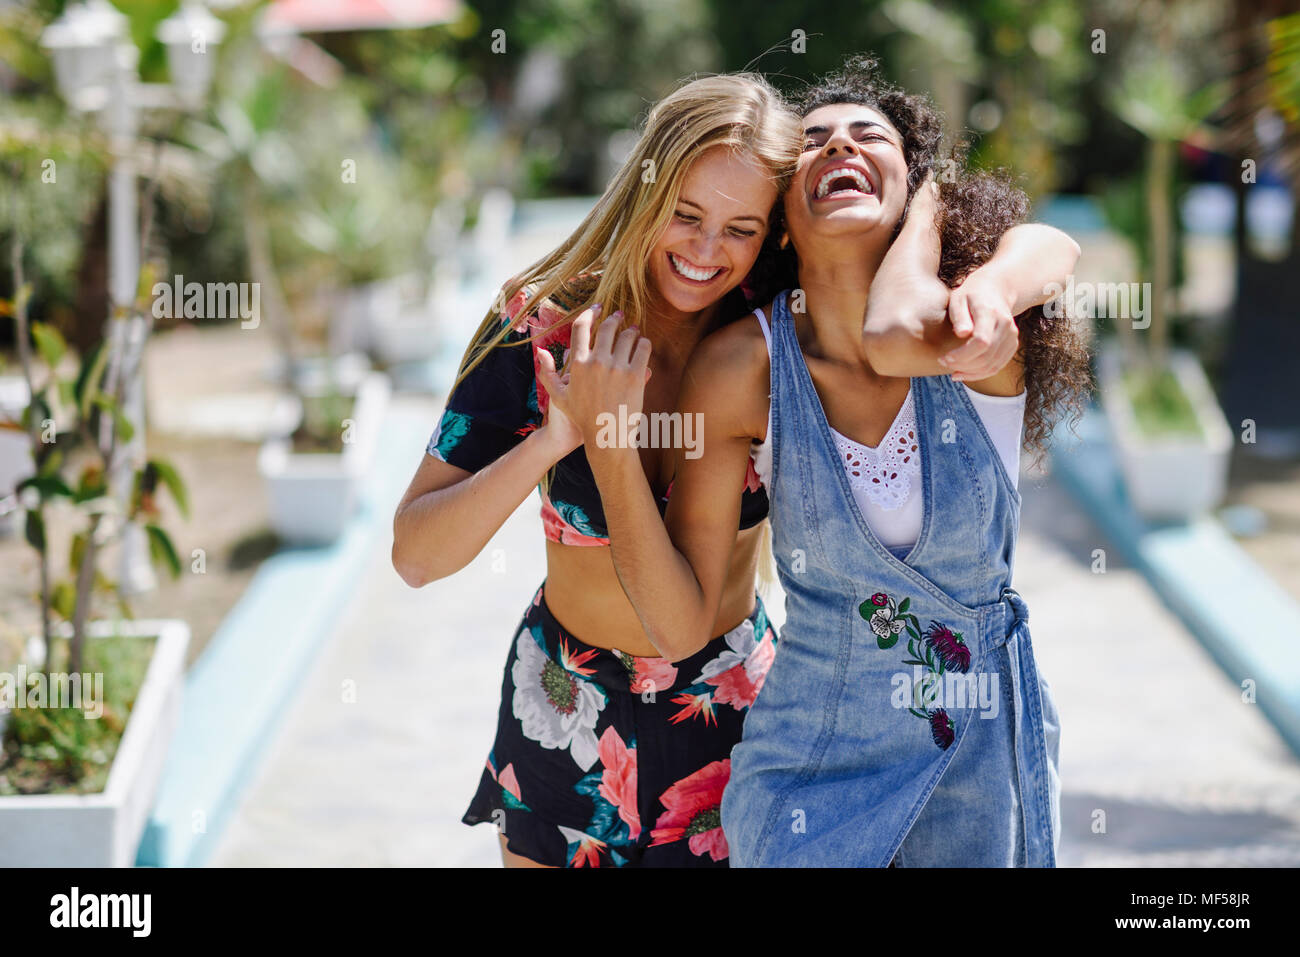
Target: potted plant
(1171,437)
(364,231)
(313,474)
(93,702)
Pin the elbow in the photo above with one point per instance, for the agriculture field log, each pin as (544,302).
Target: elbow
(882,350)
(411,563)
(408,570)
(1074,250)
(1070,249)
(680,647)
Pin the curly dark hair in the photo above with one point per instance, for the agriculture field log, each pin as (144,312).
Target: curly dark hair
(975,209)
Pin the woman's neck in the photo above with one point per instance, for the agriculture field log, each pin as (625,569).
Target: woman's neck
(672,331)
(835,287)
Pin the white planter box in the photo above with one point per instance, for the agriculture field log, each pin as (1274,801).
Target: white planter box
(312,495)
(354,310)
(1173,478)
(15,452)
(410,334)
(104,830)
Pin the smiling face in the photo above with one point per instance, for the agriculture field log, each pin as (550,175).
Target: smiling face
(716,230)
(852,177)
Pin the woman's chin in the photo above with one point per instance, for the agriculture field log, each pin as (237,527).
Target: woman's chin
(849,222)
(692,298)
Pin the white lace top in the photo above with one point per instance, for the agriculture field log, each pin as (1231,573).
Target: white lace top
(886,479)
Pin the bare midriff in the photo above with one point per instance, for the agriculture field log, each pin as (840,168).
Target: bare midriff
(585,596)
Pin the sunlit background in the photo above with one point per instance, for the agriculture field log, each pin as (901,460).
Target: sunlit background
(376,170)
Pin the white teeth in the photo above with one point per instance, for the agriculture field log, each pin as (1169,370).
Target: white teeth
(690,272)
(824,184)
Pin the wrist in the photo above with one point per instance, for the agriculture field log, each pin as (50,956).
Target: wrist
(607,458)
(1000,281)
(556,446)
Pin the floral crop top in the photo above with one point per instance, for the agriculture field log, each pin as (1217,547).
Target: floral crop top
(495,407)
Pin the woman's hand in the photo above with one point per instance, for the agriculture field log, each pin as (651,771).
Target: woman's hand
(912,317)
(979,311)
(560,431)
(606,377)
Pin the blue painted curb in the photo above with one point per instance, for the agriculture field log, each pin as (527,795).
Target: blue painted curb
(238,690)
(1225,599)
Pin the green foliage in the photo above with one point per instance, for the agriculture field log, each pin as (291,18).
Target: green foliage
(1284,66)
(322,423)
(1160,405)
(61,750)
(72,397)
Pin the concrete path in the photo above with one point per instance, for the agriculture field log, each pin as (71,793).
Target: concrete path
(1162,761)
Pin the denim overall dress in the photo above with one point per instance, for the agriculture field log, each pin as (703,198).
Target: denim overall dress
(904,720)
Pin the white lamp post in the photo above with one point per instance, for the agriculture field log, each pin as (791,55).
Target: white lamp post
(95,65)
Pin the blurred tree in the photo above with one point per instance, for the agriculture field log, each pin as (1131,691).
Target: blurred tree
(565,76)
(1263,125)
(1156,95)
(55,163)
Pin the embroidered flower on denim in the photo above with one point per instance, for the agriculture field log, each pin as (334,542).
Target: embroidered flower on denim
(949,646)
(937,650)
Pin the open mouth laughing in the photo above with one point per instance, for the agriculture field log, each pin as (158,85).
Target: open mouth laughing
(693,273)
(843,182)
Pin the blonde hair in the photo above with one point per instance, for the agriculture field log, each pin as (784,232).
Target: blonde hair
(605,258)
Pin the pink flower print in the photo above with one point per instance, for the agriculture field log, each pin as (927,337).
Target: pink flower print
(739,685)
(696,704)
(738,673)
(618,783)
(652,674)
(558,530)
(694,812)
(506,779)
(513,309)
(587,851)
(574,663)
(553,335)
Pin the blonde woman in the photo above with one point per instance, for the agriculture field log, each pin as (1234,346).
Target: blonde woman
(607,753)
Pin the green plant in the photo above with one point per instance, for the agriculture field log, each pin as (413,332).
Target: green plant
(247,142)
(78,429)
(322,425)
(1158,96)
(1160,405)
(50,750)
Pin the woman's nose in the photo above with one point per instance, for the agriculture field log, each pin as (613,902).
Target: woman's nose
(705,244)
(840,142)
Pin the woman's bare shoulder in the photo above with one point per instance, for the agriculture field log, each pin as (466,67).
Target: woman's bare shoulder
(729,373)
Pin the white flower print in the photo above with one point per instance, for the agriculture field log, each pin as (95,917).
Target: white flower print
(740,646)
(555,707)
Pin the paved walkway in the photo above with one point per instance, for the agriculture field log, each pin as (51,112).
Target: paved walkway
(1162,762)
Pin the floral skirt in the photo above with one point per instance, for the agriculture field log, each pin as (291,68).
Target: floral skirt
(606,759)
